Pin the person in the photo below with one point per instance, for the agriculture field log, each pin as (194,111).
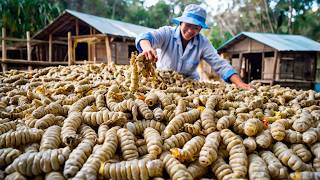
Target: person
(182,47)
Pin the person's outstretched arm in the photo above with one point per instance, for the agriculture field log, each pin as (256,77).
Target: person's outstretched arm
(235,79)
(222,67)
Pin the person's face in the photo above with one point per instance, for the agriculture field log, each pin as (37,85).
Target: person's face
(188,31)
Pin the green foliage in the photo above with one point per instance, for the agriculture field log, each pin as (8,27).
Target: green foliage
(274,16)
(19,16)
(157,15)
(217,38)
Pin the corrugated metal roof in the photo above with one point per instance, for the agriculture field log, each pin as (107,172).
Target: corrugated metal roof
(281,42)
(109,26)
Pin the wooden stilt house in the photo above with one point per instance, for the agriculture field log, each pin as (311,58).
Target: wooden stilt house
(288,60)
(74,38)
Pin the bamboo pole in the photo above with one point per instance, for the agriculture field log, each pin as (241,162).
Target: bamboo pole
(4,51)
(29,50)
(50,47)
(70,58)
(108,50)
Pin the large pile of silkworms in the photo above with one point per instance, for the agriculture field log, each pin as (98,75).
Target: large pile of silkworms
(133,122)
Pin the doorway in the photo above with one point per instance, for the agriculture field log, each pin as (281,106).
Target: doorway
(253,66)
(81,52)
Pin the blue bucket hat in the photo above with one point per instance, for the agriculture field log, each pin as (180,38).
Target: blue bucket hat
(193,14)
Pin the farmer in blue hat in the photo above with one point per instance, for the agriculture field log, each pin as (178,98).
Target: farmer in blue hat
(182,47)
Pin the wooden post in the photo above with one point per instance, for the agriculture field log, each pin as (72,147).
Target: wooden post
(108,50)
(89,47)
(70,58)
(275,63)
(262,66)
(4,51)
(29,50)
(50,47)
(89,51)
(77,27)
(94,49)
(241,73)
(116,53)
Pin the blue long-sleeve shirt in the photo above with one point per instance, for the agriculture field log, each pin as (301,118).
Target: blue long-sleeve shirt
(172,56)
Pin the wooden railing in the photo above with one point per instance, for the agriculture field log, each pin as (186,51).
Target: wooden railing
(29,62)
(90,39)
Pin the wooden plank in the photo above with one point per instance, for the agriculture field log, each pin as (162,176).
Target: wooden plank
(108,50)
(50,47)
(98,36)
(33,40)
(70,59)
(275,63)
(37,63)
(29,50)
(4,51)
(88,39)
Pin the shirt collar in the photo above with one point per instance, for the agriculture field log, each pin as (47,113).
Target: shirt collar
(177,36)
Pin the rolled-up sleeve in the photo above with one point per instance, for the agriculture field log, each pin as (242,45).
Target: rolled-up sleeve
(219,65)
(156,38)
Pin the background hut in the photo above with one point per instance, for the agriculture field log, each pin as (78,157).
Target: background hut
(288,60)
(72,38)
(94,39)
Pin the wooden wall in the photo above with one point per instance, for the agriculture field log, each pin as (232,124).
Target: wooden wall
(122,53)
(318,68)
(119,52)
(268,68)
(248,45)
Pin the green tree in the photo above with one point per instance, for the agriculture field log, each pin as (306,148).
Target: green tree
(19,16)
(217,37)
(274,16)
(158,15)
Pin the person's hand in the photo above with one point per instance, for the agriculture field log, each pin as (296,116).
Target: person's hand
(235,79)
(245,86)
(150,54)
(148,51)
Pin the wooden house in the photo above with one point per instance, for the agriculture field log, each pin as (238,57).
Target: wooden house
(94,39)
(74,38)
(288,60)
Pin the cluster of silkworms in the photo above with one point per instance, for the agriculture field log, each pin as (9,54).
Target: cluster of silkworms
(134,122)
